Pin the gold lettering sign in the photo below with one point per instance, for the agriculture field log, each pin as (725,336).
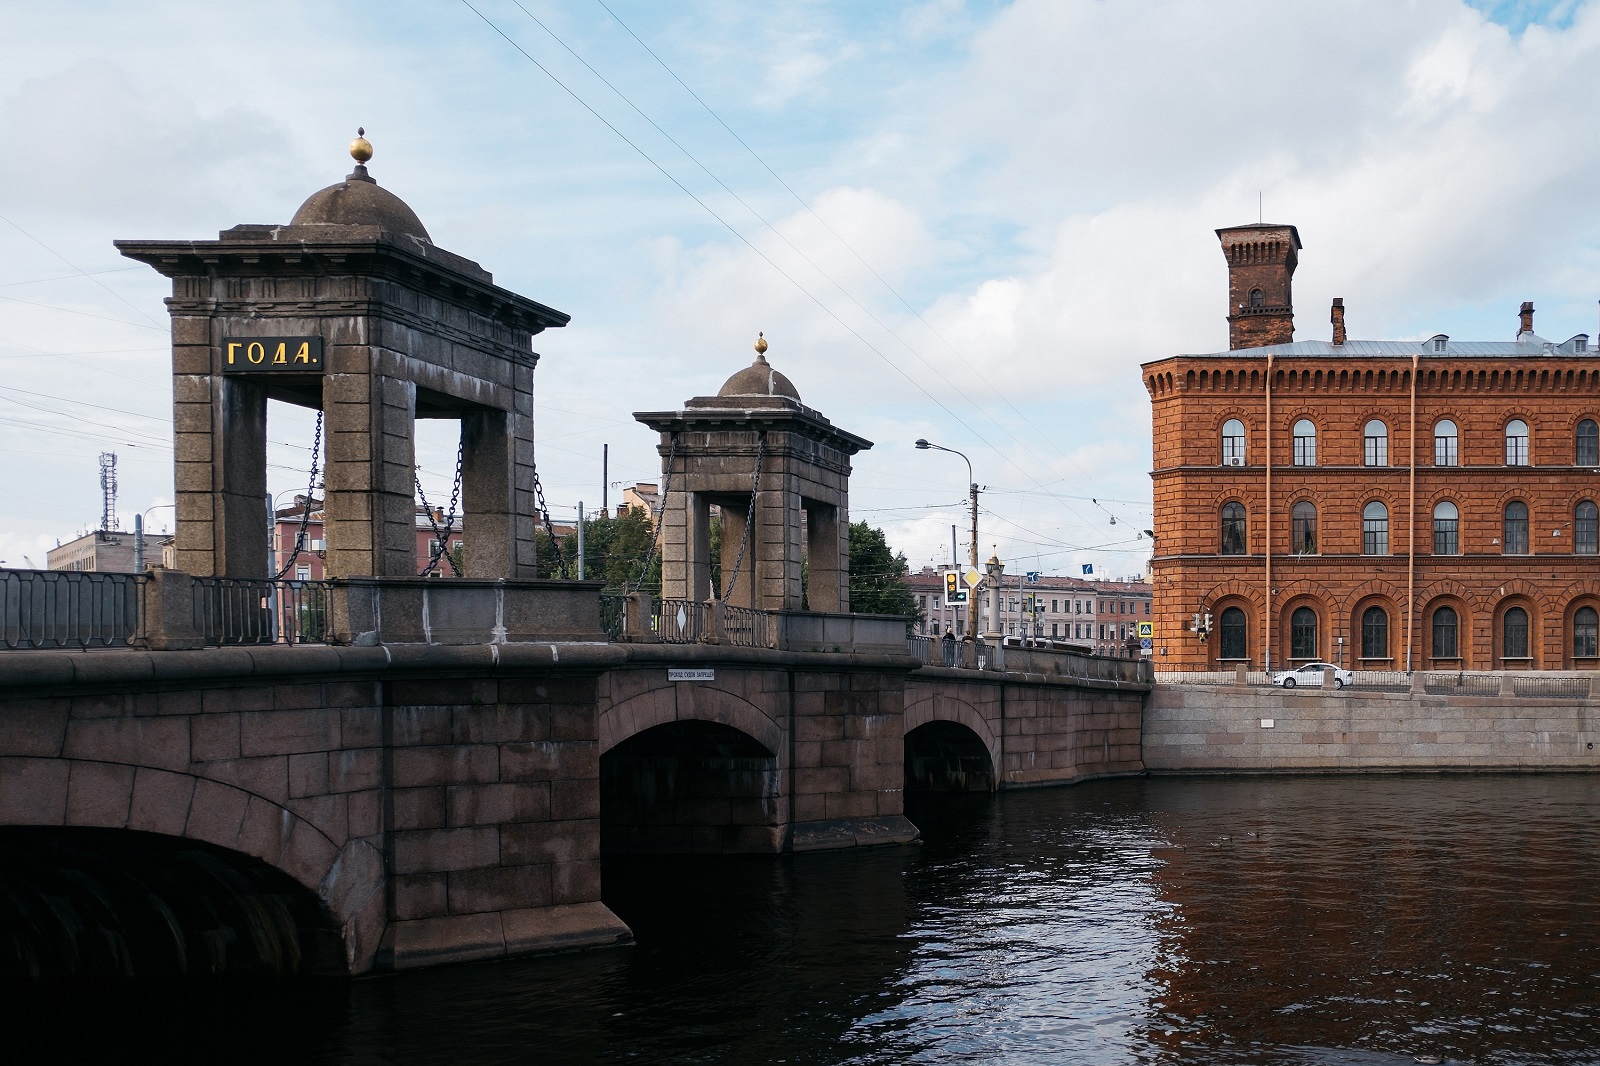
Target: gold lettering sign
(264,355)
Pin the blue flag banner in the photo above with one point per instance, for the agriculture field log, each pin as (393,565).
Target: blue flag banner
(1033,576)
(1088,568)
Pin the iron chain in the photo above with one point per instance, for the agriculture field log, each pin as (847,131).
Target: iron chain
(305,512)
(750,520)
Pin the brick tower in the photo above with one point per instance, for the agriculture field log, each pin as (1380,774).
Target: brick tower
(1261,261)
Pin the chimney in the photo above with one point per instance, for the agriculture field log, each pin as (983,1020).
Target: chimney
(1338,320)
(1527,318)
(1261,260)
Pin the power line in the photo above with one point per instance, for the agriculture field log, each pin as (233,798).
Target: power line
(86,314)
(742,238)
(767,259)
(849,248)
(78,268)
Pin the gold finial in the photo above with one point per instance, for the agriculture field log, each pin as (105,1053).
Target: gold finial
(361,148)
(761,344)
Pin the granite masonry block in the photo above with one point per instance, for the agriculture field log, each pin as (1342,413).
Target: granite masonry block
(99,794)
(441,850)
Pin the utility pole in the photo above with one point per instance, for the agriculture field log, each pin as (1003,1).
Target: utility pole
(972,593)
(605,478)
(580,540)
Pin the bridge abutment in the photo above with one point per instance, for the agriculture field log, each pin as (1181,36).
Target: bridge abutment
(449,803)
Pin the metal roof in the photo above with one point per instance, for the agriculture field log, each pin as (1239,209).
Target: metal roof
(1530,346)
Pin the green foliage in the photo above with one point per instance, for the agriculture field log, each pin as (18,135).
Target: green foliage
(614,551)
(878,576)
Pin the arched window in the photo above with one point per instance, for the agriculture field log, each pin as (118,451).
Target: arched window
(1588,443)
(1256,298)
(1446,443)
(1516,442)
(1514,638)
(1515,541)
(1586,528)
(1303,527)
(1233,528)
(1233,635)
(1305,443)
(1377,444)
(1303,633)
(1446,529)
(1446,629)
(1374,633)
(1375,529)
(1233,442)
(1585,633)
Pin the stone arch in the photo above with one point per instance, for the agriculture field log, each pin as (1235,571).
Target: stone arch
(938,707)
(701,702)
(345,876)
(107,795)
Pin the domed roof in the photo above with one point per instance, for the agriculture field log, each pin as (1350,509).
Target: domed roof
(358,201)
(759,379)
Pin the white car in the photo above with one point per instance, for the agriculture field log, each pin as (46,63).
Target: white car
(1310,676)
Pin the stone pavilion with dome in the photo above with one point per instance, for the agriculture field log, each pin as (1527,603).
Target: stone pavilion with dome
(780,474)
(352,310)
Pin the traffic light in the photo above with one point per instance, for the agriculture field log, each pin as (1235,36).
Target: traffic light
(955,592)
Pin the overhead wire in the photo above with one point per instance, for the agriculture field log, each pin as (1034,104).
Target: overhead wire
(137,310)
(890,330)
(977,375)
(741,237)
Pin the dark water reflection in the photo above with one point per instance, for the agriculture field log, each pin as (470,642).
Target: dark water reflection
(1315,920)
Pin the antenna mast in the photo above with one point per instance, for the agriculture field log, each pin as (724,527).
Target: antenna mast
(108,491)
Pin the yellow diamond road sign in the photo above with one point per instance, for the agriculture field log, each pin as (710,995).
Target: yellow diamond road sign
(972,577)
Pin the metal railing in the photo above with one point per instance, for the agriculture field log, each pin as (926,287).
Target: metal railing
(230,610)
(68,609)
(614,614)
(1539,685)
(925,650)
(682,621)
(1551,688)
(746,628)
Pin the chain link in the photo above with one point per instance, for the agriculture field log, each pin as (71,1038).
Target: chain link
(305,512)
(661,509)
(441,537)
(750,520)
(549,527)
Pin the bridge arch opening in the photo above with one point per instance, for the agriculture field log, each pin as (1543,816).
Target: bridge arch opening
(87,903)
(690,787)
(946,756)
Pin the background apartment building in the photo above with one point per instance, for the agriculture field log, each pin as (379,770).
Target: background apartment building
(1098,616)
(1381,504)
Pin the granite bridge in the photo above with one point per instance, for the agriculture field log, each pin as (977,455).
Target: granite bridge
(343,808)
(209,768)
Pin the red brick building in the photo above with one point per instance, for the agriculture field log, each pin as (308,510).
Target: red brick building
(1384,504)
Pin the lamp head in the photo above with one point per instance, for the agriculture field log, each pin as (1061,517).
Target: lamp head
(923,445)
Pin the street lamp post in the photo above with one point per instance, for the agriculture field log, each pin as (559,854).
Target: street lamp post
(972,593)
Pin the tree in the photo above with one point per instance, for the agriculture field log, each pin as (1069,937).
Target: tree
(878,575)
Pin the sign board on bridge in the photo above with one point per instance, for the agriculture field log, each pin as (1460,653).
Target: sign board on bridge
(687,674)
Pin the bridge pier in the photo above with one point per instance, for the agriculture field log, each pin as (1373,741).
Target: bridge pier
(445,803)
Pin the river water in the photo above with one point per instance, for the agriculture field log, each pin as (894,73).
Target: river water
(1245,920)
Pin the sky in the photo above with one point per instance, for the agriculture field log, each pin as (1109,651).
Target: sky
(961,220)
